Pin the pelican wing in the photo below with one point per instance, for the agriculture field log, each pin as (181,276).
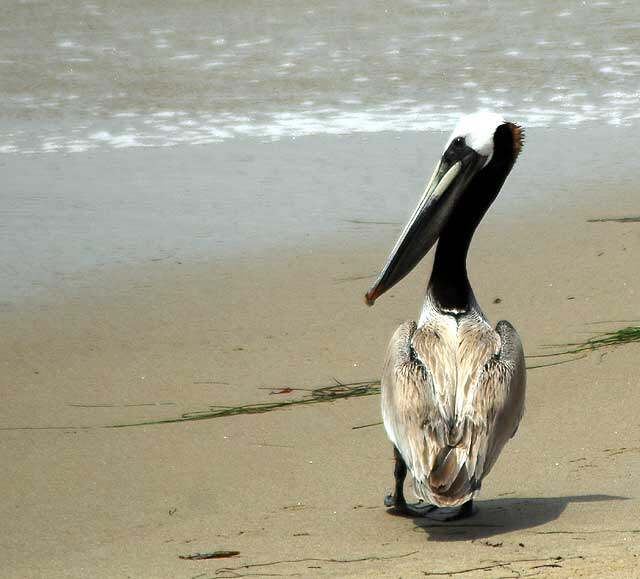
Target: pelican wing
(451,398)
(499,399)
(409,403)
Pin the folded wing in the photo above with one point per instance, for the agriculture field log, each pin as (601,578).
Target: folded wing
(452,396)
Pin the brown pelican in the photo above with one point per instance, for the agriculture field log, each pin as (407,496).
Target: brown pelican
(453,388)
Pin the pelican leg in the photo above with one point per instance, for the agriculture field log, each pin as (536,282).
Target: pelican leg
(397,500)
(468,509)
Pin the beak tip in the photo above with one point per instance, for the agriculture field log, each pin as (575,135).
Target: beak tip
(370,298)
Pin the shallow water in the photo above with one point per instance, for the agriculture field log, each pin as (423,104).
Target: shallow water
(68,219)
(90,74)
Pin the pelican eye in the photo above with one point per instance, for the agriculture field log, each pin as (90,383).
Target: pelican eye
(458,142)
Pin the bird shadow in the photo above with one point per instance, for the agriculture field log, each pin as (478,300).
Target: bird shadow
(498,516)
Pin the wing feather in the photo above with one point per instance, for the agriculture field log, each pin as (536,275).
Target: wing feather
(409,407)
(500,396)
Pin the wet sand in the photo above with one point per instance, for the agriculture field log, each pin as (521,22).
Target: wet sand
(159,338)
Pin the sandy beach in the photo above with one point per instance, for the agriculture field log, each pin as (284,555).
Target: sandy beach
(299,491)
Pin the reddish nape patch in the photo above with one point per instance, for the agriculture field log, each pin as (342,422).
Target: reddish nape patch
(518,137)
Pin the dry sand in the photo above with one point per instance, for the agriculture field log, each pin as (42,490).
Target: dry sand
(298,491)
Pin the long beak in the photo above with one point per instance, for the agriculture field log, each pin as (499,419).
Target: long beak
(448,182)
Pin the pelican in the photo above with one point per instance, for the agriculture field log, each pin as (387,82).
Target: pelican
(453,388)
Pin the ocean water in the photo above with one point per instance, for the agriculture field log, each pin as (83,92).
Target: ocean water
(87,74)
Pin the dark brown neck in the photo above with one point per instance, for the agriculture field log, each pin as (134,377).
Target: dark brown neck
(449,284)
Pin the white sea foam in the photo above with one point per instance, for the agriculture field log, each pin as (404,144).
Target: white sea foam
(101,136)
(67,44)
(254,84)
(258,42)
(169,114)
(185,57)
(401,115)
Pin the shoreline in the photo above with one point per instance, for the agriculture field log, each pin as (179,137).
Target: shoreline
(69,216)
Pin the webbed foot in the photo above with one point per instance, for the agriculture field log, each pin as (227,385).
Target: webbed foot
(446,514)
(397,501)
(419,509)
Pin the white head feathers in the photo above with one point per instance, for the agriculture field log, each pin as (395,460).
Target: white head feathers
(478,129)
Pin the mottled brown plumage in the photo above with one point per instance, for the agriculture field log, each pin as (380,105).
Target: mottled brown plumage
(452,396)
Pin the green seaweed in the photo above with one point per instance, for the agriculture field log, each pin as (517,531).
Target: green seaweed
(324,394)
(615,220)
(609,339)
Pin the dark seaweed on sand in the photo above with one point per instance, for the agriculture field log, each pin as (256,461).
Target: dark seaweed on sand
(324,394)
(605,340)
(615,220)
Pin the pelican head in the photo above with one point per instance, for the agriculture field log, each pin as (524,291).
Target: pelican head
(476,160)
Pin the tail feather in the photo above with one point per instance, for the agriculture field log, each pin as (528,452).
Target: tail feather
(461,486)
(446,470)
